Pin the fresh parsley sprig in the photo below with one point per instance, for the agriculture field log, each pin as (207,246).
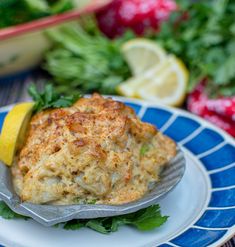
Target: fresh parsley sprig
(202,34)
(49,98)
(144,220)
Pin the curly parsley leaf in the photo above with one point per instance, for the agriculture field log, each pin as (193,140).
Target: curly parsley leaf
(49,98)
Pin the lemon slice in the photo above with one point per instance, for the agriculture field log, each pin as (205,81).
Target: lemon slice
(130,87)
(167,86)
(142,54)
(165,83)
(14,130)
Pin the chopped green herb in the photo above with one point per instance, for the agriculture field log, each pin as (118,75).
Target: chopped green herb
(93,201)
(144,149)
(84,201)
(50,99)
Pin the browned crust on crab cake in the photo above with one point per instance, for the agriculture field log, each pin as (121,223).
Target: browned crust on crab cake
(91,150)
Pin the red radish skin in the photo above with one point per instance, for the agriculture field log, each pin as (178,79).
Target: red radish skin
(137,15)
(219,111)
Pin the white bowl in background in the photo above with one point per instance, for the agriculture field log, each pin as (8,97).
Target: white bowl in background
(22,46)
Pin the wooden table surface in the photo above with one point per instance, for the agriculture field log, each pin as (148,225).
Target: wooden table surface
(14,90)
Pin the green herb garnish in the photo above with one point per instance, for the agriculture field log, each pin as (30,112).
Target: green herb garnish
(14,12)
(8,214)
(79,200)
(202,34)
(49,98)
(144,220)
(144,149)
(92,201)
(83,58)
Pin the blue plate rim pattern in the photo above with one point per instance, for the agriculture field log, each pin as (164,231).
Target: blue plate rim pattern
(223,233)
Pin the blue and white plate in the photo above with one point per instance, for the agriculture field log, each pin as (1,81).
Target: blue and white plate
(201,207)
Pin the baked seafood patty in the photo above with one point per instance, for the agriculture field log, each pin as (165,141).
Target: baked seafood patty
(97,150)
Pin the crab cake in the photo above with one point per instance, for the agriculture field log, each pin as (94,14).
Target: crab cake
(96,150)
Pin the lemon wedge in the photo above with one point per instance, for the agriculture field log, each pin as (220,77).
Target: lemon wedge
(167,86)
(14,130)
(164,83)
(142,54)
(130,87)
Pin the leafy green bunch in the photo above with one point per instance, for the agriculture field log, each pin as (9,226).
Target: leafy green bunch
(84,59)
(144,220)
(13,12)
(49,98)
(202,34)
